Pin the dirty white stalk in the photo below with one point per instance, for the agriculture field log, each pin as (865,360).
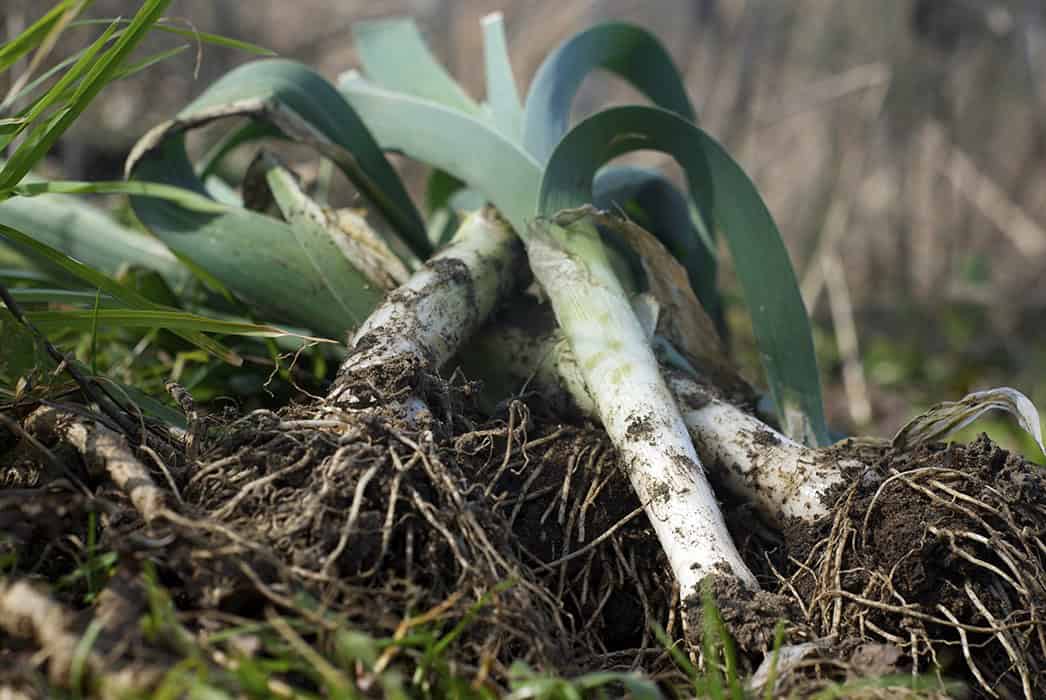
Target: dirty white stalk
(633,402)
(424,322)
(420,325)
(781,477)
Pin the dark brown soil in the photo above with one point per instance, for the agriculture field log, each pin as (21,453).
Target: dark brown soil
(525,522)
(939,553)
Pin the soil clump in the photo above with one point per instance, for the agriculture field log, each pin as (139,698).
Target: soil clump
(522,525)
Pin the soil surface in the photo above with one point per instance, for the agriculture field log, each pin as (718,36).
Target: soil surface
(933,562)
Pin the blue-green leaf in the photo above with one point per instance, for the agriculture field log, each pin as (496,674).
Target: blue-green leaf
(779,319)
(629,51)
(395,56)
(502,93)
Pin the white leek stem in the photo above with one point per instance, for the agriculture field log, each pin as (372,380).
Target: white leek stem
(424,322)
(633,402)
(782,478)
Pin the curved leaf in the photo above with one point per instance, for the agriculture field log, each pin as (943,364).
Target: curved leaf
(255,256)
(394,55)
(637,56)
(629,51)
(258,257)
(948,417)
(327,248)
(779,319)
(463,146)
(305,108)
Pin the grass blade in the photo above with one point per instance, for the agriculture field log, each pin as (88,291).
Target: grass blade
(191,33)
(148,62)
(98,75)
(63,297)
(37,33)
(47,45)
(779,319)
(103,282)
(59,91)
(172,320)
(176,195)
(18,92)
(22,91)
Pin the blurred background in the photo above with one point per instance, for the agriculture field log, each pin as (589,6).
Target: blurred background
(899,144)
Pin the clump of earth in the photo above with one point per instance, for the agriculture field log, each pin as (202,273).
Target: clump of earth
(933,561)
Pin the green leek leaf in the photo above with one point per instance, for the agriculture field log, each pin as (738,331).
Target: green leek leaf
(395,56)
(305,108)
(779,319)
(629,51)
(466,147)
(90,235)
(502,93)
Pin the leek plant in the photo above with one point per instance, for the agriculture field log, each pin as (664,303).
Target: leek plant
(526,161)
(625,260)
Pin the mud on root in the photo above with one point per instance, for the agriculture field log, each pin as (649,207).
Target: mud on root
(363,503)
(938,556)
(522,526)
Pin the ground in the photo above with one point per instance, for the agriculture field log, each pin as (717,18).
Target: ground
(517,533)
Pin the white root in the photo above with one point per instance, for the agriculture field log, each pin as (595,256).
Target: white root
(633,402)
